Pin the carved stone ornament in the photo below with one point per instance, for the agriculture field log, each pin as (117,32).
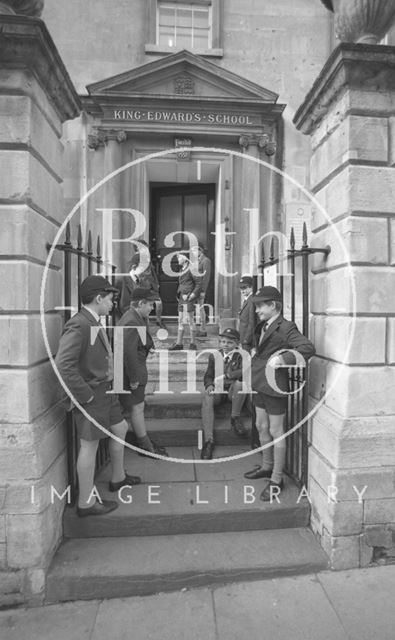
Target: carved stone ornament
(32,8)
(262,141)
(99,137)
(363,21)
(184,85)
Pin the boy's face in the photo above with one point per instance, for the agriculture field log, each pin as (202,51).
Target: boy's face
(105,304)
(145,308)
(266,310)
(227,344)
(245,292)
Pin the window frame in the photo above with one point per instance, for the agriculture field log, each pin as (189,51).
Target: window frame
(152,45)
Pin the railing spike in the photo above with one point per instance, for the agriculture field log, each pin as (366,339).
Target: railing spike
(292,239)
(79,238)
(89,243)
(304,236)
(98,248)
(68,234)
(272,251)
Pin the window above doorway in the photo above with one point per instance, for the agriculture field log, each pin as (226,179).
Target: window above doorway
(177,24)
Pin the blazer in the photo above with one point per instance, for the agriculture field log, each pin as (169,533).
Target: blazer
(205,270)
(247,323)
(281,334)
(82,365)
(188,283)
(135,350)
(232,370)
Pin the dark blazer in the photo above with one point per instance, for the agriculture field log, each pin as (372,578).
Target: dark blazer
(248,320)
(135,350)
(281,334)
(188,283)
(126,286)
(233,369)
(205,270)
(82,365)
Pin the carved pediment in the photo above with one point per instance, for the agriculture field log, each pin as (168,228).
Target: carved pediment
(183,75)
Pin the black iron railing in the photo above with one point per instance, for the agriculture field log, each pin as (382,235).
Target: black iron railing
(293,282)
(78,264)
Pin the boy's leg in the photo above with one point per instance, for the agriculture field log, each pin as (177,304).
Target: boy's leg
(192,326)
(238,400)
(86,471)
(158,310)
(263,428)
(203,327)
(208,403)
(117,451)
(276,423)
(180,333)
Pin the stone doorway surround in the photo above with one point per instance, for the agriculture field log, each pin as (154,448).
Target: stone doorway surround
(349,114)
(183,98)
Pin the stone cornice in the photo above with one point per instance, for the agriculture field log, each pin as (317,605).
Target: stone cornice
(26,43)
(350,66)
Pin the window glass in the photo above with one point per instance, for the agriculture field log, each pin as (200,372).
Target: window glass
(186,25)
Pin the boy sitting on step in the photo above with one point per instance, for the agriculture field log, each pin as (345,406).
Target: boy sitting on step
(229,342)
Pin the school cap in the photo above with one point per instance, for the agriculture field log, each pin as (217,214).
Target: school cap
(142,293)
(92,285)
(267,293)
(245,281)
(233,334)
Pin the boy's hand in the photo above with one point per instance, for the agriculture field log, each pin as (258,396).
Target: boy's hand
(210,389)
(185,296)
(134,385)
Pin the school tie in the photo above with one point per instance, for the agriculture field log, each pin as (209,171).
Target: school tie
(264,329)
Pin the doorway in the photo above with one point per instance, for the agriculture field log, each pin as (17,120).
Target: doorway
(188,208)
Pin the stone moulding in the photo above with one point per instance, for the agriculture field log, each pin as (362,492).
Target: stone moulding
(349,65)
(365,21)
(25,43)
(32,8)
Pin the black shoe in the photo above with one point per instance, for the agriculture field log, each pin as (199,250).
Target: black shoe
(268,495)
(236,423)
(156,448)
(128,481)
(208,450)
(98,509)
(192,347)
(176,347)
(258,472)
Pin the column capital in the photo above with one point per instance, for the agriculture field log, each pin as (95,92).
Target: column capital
(32,8)
(262,141)
(100,137)
(351,67)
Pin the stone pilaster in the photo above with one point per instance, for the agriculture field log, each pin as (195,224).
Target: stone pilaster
(348,115)
(36,97)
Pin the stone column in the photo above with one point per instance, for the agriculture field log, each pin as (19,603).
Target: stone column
(111,140)
(250,199)
(349,116)
(36,97)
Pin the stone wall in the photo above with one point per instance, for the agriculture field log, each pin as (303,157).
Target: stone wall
(349,115)
(279,45)
(36,97)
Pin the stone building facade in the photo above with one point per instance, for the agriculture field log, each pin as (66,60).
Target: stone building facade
(90,89)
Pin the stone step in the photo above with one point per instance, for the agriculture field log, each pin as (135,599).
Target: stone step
(178,432)
(97,568)
(194,496)
(178,404)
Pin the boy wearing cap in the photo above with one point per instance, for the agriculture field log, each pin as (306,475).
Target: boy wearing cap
(204,263)
(247,315)
(85,363)
(136,349)
(273,337)
(229,341)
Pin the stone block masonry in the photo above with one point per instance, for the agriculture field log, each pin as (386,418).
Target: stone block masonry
(36,97)
(349,116)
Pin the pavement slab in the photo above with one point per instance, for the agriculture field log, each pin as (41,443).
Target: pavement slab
(69,621)
(175,616)
(364,600)
(278,609)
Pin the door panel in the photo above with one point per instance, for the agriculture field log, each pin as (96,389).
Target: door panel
(181,208)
